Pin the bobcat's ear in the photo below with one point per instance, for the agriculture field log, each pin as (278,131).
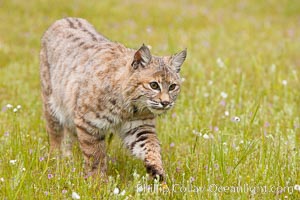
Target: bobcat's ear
(177,60)
(141,57)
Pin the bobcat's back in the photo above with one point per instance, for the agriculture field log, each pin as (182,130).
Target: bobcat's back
(80,68)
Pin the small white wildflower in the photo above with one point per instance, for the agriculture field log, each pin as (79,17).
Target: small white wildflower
(205,136)
(236,119)
(136,175)
(237,148)
(140,189)
(75,195)
(206,94)
(110,179)
(284,82)
(9,106)
(226,113)
(224,143)
(297,187)
(19,106)
(123,193)
(182,79)
(2,179)
(197,133)
(149,29)
(224,95)
(210,82)
(220,63)
(13,162)
(242,142)
(15,109)
(116,190)
(23,169)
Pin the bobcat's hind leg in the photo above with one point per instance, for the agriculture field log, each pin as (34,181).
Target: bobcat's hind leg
(54,130)
(53,127)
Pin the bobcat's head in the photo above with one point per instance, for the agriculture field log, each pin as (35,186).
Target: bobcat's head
(155,80)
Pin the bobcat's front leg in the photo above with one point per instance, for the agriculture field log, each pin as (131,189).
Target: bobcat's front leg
(141,139)
(93,149)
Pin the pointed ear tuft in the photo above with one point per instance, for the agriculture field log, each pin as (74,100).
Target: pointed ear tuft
(141,57)
(177,60)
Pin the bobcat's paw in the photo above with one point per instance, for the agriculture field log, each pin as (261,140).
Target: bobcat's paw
(156,172)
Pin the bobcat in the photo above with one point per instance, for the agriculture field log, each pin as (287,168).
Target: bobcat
(92,86)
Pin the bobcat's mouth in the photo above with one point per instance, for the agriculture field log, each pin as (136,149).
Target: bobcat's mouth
(158,108)
(162,108)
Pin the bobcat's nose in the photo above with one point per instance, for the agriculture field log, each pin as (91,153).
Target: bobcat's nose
(165,103)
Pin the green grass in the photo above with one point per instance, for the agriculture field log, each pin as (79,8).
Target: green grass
(245,50)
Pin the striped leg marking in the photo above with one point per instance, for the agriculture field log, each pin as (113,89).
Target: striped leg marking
(141,139)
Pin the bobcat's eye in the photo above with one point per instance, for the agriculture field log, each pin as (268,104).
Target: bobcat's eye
(172,87)
(154,85)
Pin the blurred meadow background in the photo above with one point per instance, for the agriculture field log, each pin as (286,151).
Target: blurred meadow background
(236,123)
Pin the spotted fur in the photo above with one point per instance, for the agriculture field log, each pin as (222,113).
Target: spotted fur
(92,86)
